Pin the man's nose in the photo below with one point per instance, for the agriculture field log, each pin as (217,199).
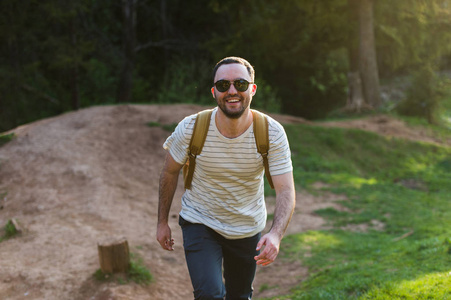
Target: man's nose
(232,89)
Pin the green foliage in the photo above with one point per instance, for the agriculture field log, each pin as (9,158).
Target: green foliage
(5,138)
(167,127)
(9,231)
(400,184)
(186,82)
(301,55)
(445,110)
(425,95)
(138,272)
(99,83)
(398,49)
(100,276)
(43,54)
(56,56)
(153,124)
(266,98)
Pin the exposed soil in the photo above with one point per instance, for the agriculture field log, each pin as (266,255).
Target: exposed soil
(76,179)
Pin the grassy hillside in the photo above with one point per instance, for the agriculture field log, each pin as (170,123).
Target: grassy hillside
(403,187)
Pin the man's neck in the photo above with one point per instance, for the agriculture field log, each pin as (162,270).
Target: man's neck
(232,128)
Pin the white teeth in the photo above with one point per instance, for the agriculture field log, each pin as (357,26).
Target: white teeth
(234,100)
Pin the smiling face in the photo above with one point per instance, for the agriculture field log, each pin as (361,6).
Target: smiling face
(232,102)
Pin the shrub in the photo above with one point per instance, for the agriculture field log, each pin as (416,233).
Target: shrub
(424,95)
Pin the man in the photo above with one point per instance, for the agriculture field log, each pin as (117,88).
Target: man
(224,212)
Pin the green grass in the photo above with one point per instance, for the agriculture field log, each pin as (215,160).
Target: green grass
(440,131)
(153,124)
(445,110)
(5,138)
(167,127)
(137,272)
(265,287)
(9,231)
(269,217)
(404,185)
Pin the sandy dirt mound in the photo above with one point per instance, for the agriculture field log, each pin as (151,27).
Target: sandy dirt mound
(76,179)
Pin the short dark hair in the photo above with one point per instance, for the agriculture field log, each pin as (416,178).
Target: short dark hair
(235,60)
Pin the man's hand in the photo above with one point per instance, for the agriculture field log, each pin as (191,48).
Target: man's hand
(164,237)
(285,202)
(271,241)
(168,184)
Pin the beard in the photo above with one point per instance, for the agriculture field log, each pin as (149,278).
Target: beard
(233,114)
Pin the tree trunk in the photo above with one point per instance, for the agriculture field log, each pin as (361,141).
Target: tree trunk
(165,26)
(74,88)
(367,55)
(114,256)
(354,35)
(74,69)
(355,94)
(129,36)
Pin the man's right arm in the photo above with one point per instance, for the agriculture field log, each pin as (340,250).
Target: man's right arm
(168,185)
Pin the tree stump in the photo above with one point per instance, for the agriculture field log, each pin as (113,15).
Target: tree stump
(16,225)
(114,256)
(355,96)
(355,101)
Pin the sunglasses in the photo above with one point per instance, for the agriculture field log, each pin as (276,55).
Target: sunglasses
(241,85)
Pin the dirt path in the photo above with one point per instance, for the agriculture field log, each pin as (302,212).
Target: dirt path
(75,179)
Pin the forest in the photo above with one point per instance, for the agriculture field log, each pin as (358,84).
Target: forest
(312,59)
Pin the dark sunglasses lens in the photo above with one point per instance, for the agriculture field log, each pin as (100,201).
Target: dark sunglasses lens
(241,85)
(222,85)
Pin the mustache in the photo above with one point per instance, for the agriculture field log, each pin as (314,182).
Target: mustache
(233,96)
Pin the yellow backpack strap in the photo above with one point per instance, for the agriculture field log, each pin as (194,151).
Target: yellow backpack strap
(196,144)
(261,133)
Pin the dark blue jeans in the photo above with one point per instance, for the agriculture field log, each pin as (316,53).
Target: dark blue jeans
(207,253)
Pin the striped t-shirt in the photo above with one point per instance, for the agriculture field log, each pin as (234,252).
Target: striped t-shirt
(227,188)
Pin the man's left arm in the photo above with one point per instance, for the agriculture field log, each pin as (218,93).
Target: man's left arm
(285,202)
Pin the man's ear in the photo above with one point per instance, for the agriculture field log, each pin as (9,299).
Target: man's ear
(254,89)
(213,91)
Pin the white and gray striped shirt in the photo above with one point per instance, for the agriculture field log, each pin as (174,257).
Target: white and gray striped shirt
(227,188)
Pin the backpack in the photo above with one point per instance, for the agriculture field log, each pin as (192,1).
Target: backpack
(200,131)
